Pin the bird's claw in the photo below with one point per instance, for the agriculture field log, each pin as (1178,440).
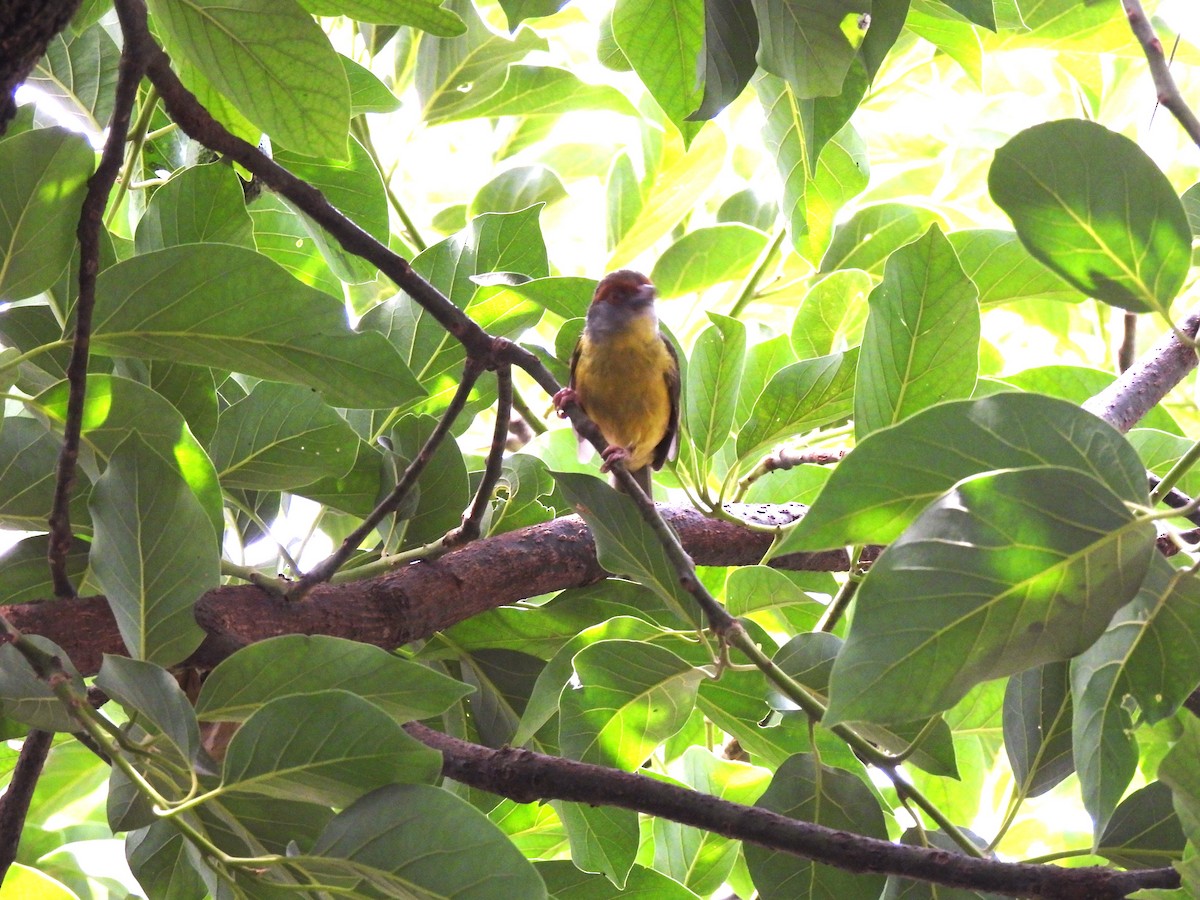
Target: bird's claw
(562,398)
(612,454)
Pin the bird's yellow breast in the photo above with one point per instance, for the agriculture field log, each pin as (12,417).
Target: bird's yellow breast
(621,384)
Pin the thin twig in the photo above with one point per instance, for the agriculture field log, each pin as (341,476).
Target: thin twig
(325,569)
(469,529)
(129,76)
(1160,70)
(1125,354)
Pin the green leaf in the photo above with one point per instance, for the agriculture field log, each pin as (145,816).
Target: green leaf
(325,747)
(707,256)
(531,91)
(714,375)
(282,236)
(603,839)
(632,696)
(27,698)
(158,858)
(116,408)
(355,187)
(428,15)
(1144,831)
(80,72)
(25,575)
(1105,750)
(565,879)
(810,43)
(297,664)
(1004,270)
(624,200)
(921,344)
(423,841)
(517,11)
(881,486)
(272,60)
(805,395)
(832,313)
(730,45)
(1037,727)
(763,361)
(149,692)
(269,327)
(367,93)
(625,544)
(43,179)
(954,37)
(1079,384)
(28,456)
(517,189)
(1008,570)
(564,295)
(1179,772)
(1092,206)
(804,789)
(280,437)
(154,552)
(868,239)
(700,859)
(444,485)
(198,204)
(465,71)
(663,41)
(843,171)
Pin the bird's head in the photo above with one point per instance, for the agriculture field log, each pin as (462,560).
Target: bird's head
(621,298)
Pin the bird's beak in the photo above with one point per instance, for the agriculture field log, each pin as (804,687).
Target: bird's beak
(645,294)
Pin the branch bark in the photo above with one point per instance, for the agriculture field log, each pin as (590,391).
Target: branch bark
(525,776)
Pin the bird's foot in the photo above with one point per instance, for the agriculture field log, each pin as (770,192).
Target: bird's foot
(612,454)
(562,398)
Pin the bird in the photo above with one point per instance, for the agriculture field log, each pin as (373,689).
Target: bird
(625,376)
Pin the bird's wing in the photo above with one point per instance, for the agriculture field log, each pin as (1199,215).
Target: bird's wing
(668,447)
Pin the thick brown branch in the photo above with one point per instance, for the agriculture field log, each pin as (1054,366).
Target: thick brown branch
(1144,384)
(420,599)
(14,805)
(525,776)
(90,222)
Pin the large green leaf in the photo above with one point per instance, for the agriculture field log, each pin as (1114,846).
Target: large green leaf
(1004,270)
(1037,727)
(201,203)
(1144,830)
(428,15)
(43,177)
(832,313)
(80,72)
(297,664)
(355,187)
(811,43)
(625,544)
(420,841)
(532,91)
(269,326)
(663,41)
(801,397)
(150,693)
(25,575)
(604,839)
(154,552)
(631,697)
(272,60)
(28,456)
(458,73)
(326,747)
(707,256)
(873,233)
(1095,208)
(117,407)
(280,437)
(804,789)
(879,488)
(921,344)
(1008,570)
(713,377)
(730,45)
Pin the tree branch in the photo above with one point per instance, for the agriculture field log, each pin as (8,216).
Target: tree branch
(129,76)
(417,600)
(525,776)
(14,805)
(26,28)
(1160,70)
(1143,385)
